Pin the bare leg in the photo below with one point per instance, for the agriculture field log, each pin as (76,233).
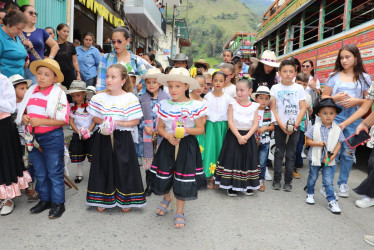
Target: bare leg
(180,206)
(167,198)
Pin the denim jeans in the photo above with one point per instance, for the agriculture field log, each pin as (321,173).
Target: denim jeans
(299,149)
(49,166)
(327,180)
(263,155)
(91,82)
(281,149)
(140,145)
(31,76)
(346,154)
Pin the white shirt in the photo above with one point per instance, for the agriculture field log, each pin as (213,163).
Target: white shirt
(7,96)
(287,100)
(217,107)
(81,118)
(230,90)
(266,139)
(243,116)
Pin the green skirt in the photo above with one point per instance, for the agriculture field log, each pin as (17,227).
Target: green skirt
(215,133)
(201,141)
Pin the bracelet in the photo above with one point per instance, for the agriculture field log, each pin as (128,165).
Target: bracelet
(51,57)
(365,124)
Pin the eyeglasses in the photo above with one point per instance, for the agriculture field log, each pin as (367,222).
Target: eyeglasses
(306,66)
(31,13)
(116,41)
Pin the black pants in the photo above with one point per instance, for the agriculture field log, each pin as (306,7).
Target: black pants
(283,148)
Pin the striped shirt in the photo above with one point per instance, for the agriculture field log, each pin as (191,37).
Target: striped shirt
(36,107)
(324,137)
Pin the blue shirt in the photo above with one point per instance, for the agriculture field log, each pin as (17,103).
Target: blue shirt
(12,55)
(38,38)
(88,61)
(245,68)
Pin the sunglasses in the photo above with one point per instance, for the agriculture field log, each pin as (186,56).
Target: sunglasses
(306,66)
(31,13)
(116,41)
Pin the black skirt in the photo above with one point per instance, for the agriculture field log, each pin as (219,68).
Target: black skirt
(79,149)
(185,175)
(13,176)
(115,178)
(237,166)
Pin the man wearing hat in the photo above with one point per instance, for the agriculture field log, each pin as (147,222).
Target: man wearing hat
(202,65)
(239,54)
(181,61)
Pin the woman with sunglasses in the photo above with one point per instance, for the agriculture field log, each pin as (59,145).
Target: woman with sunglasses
(38,37)
(67,56)
(308,68)
(133,63)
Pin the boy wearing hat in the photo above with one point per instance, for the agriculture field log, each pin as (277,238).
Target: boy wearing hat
(324,139)
(265,125)
(181,61)
(44,110)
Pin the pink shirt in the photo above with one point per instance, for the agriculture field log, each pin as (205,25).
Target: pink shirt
(37,106)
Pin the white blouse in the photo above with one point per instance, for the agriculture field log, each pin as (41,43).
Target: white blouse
(7,96)
(243,116)
(81,118)
(217,106)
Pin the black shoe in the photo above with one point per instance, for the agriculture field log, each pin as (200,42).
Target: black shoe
(276,185)
(148,191)
(40,207)
(78,179)
(287,187)
(249,192)
(57,210)
(299,166)
(232,193)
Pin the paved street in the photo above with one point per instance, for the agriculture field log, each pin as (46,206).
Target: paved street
(270,220)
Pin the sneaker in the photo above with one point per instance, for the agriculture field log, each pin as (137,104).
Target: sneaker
(333,206)
(343,191)
(232,193)
(7,209)
(310,199)
(276,185)
(249,192)
(295,174)
(287,187)
(369,239)
(303,155)
(322,191)
(365,202)
(262,187)
(267,175)
(34,197)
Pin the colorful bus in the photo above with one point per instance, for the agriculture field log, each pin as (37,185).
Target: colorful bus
(243,41)
(316,30)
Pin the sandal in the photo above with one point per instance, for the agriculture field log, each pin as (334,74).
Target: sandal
(179,219)
(163,209)
(100,209)
(210,183)
(125,210)
(78,179)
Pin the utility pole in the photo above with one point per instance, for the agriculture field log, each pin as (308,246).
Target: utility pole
(172,33)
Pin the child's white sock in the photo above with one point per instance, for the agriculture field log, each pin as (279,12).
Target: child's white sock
(80,168)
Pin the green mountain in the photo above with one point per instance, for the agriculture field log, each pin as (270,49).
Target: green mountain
(258,6)
(212,23)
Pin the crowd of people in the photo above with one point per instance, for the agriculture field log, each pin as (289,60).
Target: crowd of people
(189,125)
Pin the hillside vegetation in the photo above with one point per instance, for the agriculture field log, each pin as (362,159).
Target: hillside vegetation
(212,23)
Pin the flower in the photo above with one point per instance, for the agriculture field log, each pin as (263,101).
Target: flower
(201,149)
(193,72)
(212,168)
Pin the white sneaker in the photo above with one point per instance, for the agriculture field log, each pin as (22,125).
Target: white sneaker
(369,239)
(343,191)
(365,202)
(303,155)
(267,175)
(333,206)
(7,209)
(323,192)
(310,199)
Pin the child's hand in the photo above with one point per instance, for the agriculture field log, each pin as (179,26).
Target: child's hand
(173,141)
(283,127)
(350,102)
(148,131)
(35,122)
(25,119)
(322,144)
(339,97)
(242,140)
(307,106)
(261,130)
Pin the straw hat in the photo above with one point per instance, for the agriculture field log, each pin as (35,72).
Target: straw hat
(91,91)
(268,57)
(153,73)
(180,58)
(138,77)
(203,62)
(49,63)
(179,75)
(15,79)
(76,86)
(262,90)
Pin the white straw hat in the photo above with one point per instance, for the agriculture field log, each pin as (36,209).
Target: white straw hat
(262,90)
(76,86)
(15,79)
(153,73)
(268,57)
(179,75)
